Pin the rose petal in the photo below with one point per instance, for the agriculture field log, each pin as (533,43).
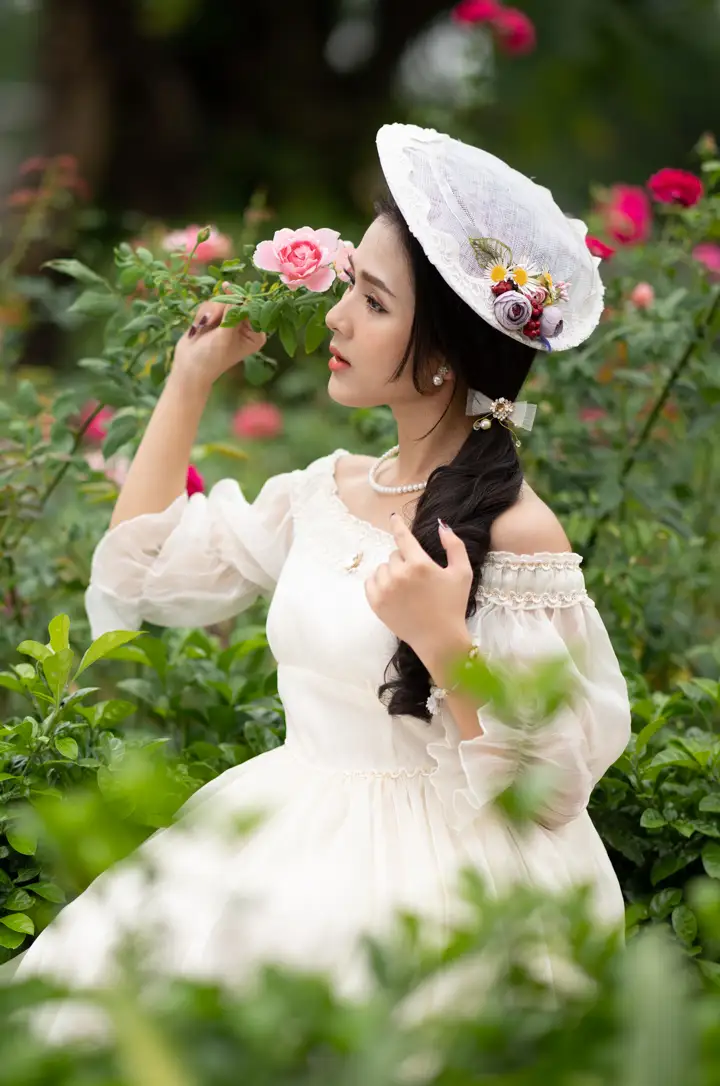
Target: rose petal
(320,280)
(265,257)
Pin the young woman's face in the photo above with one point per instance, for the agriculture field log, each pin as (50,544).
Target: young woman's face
(371,323)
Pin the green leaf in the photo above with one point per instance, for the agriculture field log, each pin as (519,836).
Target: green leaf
(711,859)
(269,315)
(258,369)
(645,734)
(663,903)
(57,670)
(78,271)
(121,430)
(18,922)
(710,803)
(59,630)
(67,747)
(684,924)
(315,331)
(114,711)
(104,644)
(11,940)
(93,304)
(34,649)
(668,865)
(652,820)
(18,901)
(49,891)
(26,400)
(23,840)
(10,682)
(288,337)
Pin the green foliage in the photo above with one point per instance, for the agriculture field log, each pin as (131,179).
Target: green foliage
(199,707)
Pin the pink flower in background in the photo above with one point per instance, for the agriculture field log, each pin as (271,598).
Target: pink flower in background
(475,11)
(217,247)
(628,215)
(708,254)
(258,420)
(195,483)
(341,262)
(302,257)
(592,414)
(670,186)
(642,295)
(97,430)
(599,248)
(515,32)
(114,468)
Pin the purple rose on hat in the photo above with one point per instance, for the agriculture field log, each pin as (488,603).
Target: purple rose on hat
(551,321)
(512,310)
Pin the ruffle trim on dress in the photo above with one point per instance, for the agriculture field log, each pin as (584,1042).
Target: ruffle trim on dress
(470,775)
(533,599)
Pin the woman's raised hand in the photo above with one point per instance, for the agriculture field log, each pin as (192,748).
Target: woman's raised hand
(206,350)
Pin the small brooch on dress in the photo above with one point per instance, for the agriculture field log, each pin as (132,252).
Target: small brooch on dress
(354,562)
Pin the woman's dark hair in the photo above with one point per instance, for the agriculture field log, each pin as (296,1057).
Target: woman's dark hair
(485,477)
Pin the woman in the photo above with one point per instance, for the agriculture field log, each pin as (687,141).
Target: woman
(384,787)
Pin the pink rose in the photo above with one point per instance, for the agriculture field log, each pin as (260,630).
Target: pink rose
(670,186)
(97,430)
(258,420)
(642,295)
(514,30)
(535,293)
(195,484)
(627,214)
(217,246)
(475,11)
(341,262)
(302,257)
(708,254)
(599,248)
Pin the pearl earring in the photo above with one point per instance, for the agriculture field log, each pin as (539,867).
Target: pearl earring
(438,378)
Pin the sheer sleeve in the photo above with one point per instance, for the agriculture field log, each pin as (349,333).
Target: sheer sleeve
(533,607)
(203,559)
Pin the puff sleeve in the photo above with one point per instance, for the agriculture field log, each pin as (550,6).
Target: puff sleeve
(533,607)
(203,559)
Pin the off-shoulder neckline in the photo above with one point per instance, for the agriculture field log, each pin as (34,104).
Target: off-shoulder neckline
(496,558)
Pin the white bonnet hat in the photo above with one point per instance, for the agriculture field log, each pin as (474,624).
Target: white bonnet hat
(496,237)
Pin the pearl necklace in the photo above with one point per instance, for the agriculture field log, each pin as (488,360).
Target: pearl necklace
(390,489)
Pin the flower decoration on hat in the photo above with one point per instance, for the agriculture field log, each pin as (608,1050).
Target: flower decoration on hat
(526,297)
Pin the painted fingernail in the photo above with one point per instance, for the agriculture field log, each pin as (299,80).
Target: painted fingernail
(191,331)
(202,321)
(444,525)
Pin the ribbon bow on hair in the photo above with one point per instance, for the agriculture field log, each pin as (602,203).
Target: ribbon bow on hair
(521,414)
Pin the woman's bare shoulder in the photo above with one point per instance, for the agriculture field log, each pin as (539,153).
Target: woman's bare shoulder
(528,526)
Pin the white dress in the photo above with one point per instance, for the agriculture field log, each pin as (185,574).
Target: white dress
(367,813)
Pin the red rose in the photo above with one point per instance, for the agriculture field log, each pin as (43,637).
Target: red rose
(599,248)
(195,484)
(628,214)
(98,428)
(676,187)
(475,11)
(515,32)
